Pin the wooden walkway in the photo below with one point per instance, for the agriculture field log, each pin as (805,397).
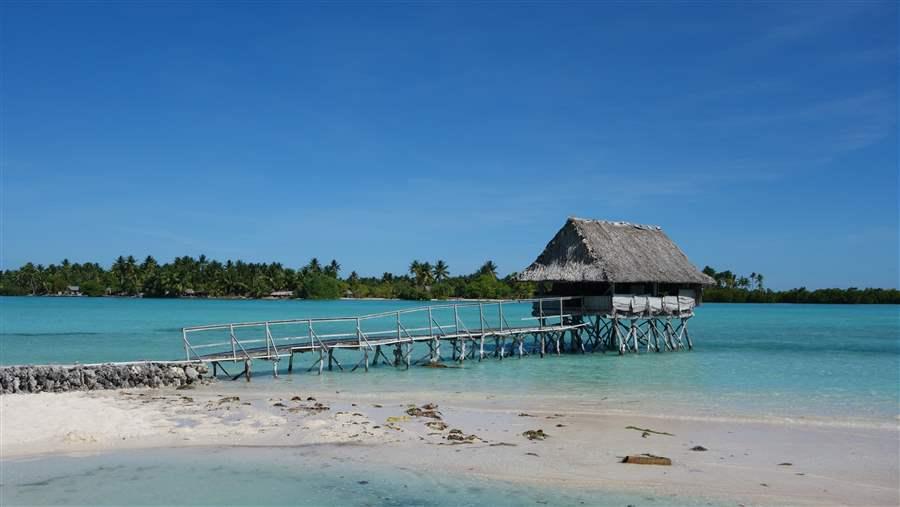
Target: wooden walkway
(467,331)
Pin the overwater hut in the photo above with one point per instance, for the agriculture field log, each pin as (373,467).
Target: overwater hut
(619,270)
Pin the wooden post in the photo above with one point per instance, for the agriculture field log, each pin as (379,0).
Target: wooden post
(462,353)
(435,343)
(634,337)
(233,342)
(247,368)
(541,327)
(620,343)
(330,359)
(687,335)
(481,316)
(291,362)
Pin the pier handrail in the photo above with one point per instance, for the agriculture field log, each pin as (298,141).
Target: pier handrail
(466,304)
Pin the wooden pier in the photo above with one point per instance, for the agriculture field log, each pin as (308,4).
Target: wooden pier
(456,332)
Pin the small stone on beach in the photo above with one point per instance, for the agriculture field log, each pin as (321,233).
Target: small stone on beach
(535,434)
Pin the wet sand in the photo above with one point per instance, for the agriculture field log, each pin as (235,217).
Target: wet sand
(745,461)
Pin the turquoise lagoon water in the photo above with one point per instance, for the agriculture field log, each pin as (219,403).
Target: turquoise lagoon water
(831,361)
(274,477)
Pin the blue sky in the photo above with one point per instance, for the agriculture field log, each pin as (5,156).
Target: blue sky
(761,137)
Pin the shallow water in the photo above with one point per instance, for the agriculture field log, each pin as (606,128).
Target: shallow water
(784,361)
(274,477)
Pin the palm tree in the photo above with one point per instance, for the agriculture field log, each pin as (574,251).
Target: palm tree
(29,276)
(333,269)
(426,273)
(314,266)
(489,268)
(415,269)
(120,273)
(441,271)
(149,264)
(132,281)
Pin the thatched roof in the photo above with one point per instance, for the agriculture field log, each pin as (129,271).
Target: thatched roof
(599,251)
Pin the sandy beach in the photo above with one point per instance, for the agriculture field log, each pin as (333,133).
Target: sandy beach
(748,462)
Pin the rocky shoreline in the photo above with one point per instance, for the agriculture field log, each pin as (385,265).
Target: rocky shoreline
(58,379)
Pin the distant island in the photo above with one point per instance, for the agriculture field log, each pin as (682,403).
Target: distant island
(206,278)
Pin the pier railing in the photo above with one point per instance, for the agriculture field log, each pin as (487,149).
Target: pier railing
(273,339)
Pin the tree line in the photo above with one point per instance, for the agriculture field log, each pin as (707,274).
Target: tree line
(203,277)
(733,288)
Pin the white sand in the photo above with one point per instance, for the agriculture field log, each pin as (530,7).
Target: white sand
(829,464)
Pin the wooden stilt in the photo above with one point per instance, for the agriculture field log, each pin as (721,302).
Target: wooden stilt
(398,355)
(633,333)
(620,338)
(687,335)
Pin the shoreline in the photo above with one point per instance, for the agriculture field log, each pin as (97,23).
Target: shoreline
(272,298)
(745,459)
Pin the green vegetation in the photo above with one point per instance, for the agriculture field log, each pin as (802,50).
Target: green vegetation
(732,288)
(202,277)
